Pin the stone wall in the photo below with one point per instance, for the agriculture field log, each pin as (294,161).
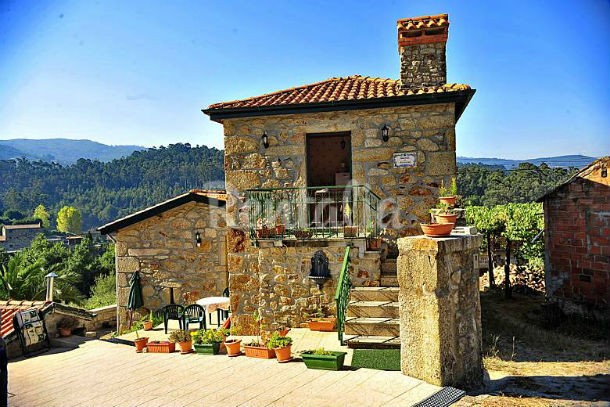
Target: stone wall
(407,192)
(440,311)
(163,247)
(577,241)
(18,238)
(423,65)
(273,280)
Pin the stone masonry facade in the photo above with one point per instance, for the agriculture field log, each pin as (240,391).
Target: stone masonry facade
(407,193)
(577,240)
(423,65)
(163,247)
(258,275)
(273,281)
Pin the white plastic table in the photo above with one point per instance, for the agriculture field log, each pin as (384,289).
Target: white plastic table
(212,304)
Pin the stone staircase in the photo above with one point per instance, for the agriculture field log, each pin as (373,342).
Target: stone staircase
(372,318)
(388,273)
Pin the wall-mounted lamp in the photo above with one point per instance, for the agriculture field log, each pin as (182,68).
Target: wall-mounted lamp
(198,239)
(342,144)
(265,140)
(385,133)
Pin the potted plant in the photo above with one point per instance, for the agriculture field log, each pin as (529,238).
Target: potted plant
(140,343)
(233,345)
(280,226)
(448,195)
(184,340)
(262,230)
(373,241)
(442,213)
(302,233)
(323,359)
(207,341)
(65,325)
(282,346)
(256,348)
(322,323)
(160,347)
(148,323)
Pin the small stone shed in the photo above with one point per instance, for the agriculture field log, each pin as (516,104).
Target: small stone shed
(577,242)
(394,137)
(179,243)
(17,237)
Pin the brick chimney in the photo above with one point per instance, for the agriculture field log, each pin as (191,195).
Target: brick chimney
(421,45)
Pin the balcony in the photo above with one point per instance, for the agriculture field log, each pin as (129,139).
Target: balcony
(346,211)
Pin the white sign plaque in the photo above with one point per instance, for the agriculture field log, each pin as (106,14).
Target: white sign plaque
(405,159)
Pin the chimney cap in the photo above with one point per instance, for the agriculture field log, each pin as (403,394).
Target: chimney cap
(422,30)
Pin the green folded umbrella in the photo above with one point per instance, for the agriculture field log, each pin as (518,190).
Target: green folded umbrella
(134,301)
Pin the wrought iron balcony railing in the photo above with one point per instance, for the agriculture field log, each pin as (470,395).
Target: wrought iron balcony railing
(347,211)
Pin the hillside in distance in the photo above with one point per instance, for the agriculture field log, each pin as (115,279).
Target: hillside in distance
(61,150)
(566,161)
(106,191)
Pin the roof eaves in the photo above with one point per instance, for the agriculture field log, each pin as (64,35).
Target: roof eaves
(158,209)
(460,97)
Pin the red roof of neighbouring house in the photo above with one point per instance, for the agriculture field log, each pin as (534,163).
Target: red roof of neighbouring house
(9,308)
(348,88)
(583,173)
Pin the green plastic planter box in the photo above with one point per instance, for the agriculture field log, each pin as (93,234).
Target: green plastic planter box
(324,362)
(207,348)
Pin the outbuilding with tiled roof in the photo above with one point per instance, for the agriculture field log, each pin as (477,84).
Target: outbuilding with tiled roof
(177,246)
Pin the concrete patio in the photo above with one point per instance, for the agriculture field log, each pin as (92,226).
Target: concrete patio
(99,373)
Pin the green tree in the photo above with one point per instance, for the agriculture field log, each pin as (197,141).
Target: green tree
(69,219)
(41,213)
(522,222)
(489,224)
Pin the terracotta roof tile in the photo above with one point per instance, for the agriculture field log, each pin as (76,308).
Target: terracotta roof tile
(421,23)
(9,308)
(348,88)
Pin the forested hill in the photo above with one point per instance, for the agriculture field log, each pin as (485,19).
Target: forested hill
(61,150)
(107,191)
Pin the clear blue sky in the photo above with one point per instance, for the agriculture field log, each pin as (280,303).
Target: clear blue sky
(139,72)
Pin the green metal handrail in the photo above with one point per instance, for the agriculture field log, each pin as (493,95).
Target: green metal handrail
(313,212)
(342,294)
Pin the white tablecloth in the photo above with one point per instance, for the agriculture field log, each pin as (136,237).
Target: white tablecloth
(211,304)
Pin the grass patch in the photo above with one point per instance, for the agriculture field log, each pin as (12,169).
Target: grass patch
(380,359)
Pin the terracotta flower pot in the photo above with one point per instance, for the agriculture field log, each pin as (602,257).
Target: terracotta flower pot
(449,200)
(373,243)
(260,352)
(186,347)
(280,229)
(65,332)
(322,324)
(233,347)
(283,354)
(160,347)
(147,325)
(284,331)
(140,344)
(437,229)
(445,218)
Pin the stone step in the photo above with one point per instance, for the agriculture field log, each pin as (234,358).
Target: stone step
(389,294)
(373,342)
(372,326)
(373,309)
(388,266)
(388,281)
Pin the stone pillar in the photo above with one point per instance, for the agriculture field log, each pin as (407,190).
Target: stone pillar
(440,310)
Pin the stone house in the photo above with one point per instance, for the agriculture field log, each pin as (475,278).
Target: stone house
(334,163)
(178,247)
(577,242)
(17,237)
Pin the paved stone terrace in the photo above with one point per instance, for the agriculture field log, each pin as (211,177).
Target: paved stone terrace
(100,373)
